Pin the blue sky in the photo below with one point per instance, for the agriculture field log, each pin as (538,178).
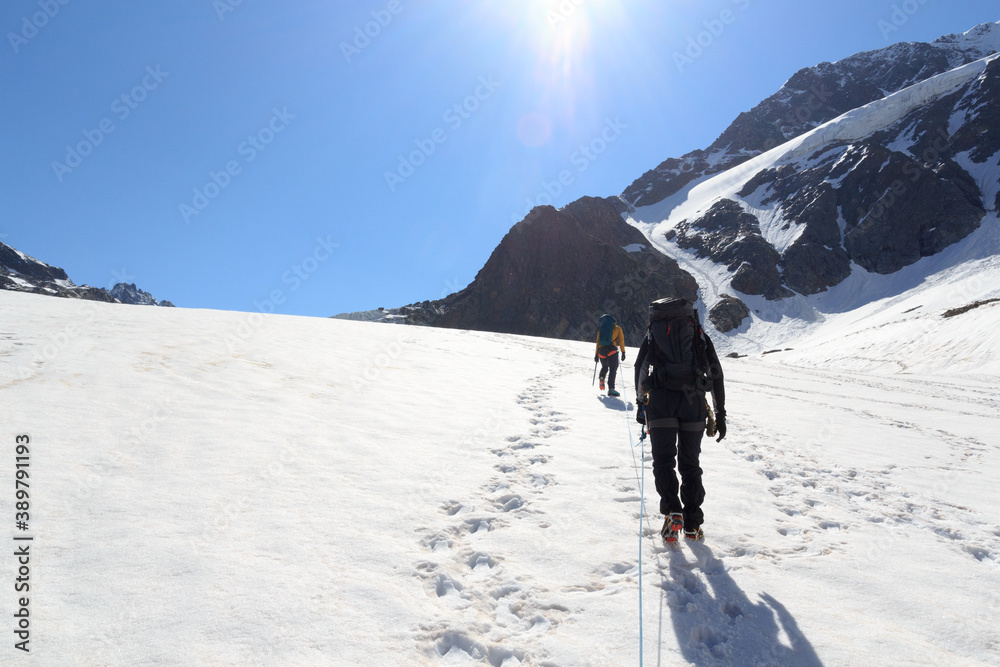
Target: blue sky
(258,155)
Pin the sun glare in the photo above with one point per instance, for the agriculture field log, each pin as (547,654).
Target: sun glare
(563,33)
(566,46)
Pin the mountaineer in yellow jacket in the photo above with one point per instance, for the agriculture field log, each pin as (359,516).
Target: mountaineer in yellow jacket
(610,338)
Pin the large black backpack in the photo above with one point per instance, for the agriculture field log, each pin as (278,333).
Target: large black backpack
(677,348)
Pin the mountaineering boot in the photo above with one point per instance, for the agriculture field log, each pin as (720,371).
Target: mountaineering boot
(602,384)
(672,526)
(612,392)
(694,535)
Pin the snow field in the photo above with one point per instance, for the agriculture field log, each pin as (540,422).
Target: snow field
(881,486)
(335,492)
(236,506)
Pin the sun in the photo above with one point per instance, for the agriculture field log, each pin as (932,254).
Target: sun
(565,47)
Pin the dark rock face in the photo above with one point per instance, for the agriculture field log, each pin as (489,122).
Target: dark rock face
(21,273)
(815,260)
(16,283)
(811,97)
(810,268)
(898,211)
(28,268)
(728,314)
(978,133)
(894,207)
(729,235)
(557,271)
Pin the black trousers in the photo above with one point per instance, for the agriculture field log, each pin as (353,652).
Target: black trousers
(609,368)
(676,424)
(673,447)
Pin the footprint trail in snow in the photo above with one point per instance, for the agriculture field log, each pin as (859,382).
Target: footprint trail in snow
(463,568)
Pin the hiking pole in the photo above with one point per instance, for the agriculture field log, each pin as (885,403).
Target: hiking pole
(595,375)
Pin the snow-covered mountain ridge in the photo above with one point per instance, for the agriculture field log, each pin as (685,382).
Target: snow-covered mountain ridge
(811,97)
(907,183)
(22,273)
(897,171)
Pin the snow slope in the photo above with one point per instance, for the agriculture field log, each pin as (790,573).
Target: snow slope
(225,488)
(890,322)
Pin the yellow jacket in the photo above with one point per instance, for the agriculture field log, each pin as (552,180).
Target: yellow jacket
(617,338)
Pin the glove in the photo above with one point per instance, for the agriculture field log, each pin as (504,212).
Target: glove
(623,355)
(597,358)
(640,413)
(720,425)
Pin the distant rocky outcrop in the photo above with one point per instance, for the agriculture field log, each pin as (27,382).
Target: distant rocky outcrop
(22,273)
(129,293)
(728,313)
(728,235)
(556,272)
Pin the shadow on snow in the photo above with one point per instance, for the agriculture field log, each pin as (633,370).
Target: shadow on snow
(718,624)
(614,403)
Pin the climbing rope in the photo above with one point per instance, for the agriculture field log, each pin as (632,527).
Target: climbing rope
(642,506)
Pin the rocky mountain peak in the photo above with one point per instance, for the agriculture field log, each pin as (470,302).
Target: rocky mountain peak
(21,273)
(811,97)
(555,273)
(129,293)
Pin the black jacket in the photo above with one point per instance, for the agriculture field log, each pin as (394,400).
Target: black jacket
(716,384)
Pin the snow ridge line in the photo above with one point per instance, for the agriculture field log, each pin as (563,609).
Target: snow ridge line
(853,125)
(467,578)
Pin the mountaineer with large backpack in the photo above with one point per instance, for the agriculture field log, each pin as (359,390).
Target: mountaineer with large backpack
(676,368)
(610,338)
